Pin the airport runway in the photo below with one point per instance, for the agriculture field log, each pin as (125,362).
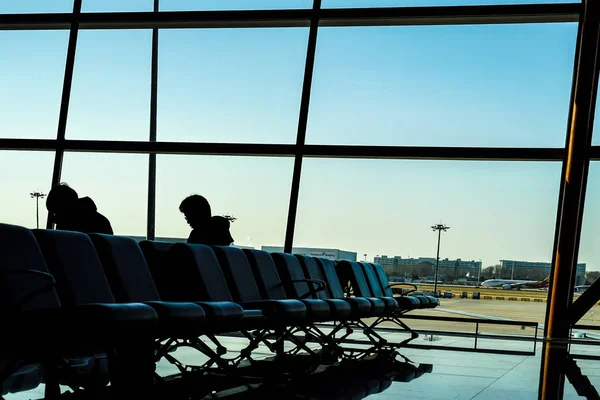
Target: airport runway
(458,289)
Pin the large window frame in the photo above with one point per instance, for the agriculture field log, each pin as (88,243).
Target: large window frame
(576,153)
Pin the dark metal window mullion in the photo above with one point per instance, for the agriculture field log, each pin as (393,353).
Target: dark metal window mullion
(151,220)
(302,123)
(65,99)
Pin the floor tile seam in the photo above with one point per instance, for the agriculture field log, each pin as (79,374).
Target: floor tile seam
(497,379)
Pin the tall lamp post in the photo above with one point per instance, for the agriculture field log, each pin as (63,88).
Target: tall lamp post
(439,228)
(37,196)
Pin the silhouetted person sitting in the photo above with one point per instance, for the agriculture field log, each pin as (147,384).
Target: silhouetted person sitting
(71,213)
(206,229)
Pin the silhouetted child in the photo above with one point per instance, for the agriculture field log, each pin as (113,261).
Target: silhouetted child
(71,213)
(206,229)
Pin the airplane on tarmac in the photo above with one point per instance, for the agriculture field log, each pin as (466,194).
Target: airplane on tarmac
(509,284)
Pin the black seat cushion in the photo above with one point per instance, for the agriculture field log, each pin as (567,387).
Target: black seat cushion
(407,303)
(179,318)
(424,300)
(433,301)
(219,311)
(340,309)
(378,306)
(281,309)
(317,309)
(390,304)
(360,306)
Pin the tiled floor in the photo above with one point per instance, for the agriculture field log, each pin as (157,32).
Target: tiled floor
(456,375)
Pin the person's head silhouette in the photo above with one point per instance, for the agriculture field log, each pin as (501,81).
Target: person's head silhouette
(196,210)
(60,202)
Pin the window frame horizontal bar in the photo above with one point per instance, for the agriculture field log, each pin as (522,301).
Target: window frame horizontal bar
(290,150)
(333,17)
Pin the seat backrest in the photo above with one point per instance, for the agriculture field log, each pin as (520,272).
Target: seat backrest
(194,275)
(238,273)
(126,268)
(312,271)
(19,251)
(334,286)
(383,280)
(266,275)
(372,279)
(156,255)
(352,273)
(292,276)
(73,261)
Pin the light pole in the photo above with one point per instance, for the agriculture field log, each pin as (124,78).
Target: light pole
(365,257)
(37,196)
(439,228)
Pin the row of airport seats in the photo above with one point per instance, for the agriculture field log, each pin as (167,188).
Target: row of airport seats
(77,302)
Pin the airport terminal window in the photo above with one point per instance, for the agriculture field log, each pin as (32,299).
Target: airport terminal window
(230,85)
(110,97)
(36,6)
(116,5)
(254,190)
(468,85)
(596,136)
(117,183)
(387,207)
(24,173)
(589,251)
(210,5)
(31,81)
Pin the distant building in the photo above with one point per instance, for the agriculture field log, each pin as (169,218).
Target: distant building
(332,254)
(424,266)
(530,270)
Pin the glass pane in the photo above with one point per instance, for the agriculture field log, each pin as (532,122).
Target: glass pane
(199,5)
(23,173)
(117,183)
(31,80)
(420,3)
(589,253)
(110,97)
(497,85)
(36,6)
(496,211)
(254,190)
(596,135)
(117,5)
(230,85)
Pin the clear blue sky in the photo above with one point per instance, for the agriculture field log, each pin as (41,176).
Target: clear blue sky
(432,86)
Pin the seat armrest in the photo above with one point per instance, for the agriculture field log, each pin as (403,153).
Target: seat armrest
(50,284)
(319,285)
(404,284)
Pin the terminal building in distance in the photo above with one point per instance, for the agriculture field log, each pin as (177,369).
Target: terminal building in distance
(332,254)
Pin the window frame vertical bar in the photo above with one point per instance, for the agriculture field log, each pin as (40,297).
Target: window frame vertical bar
(151,218)
(302,125)
(65,100)
(561,187)
(558,325)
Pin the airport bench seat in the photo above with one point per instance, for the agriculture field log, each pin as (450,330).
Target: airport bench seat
(298,286)
(46,331)
(383,280)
